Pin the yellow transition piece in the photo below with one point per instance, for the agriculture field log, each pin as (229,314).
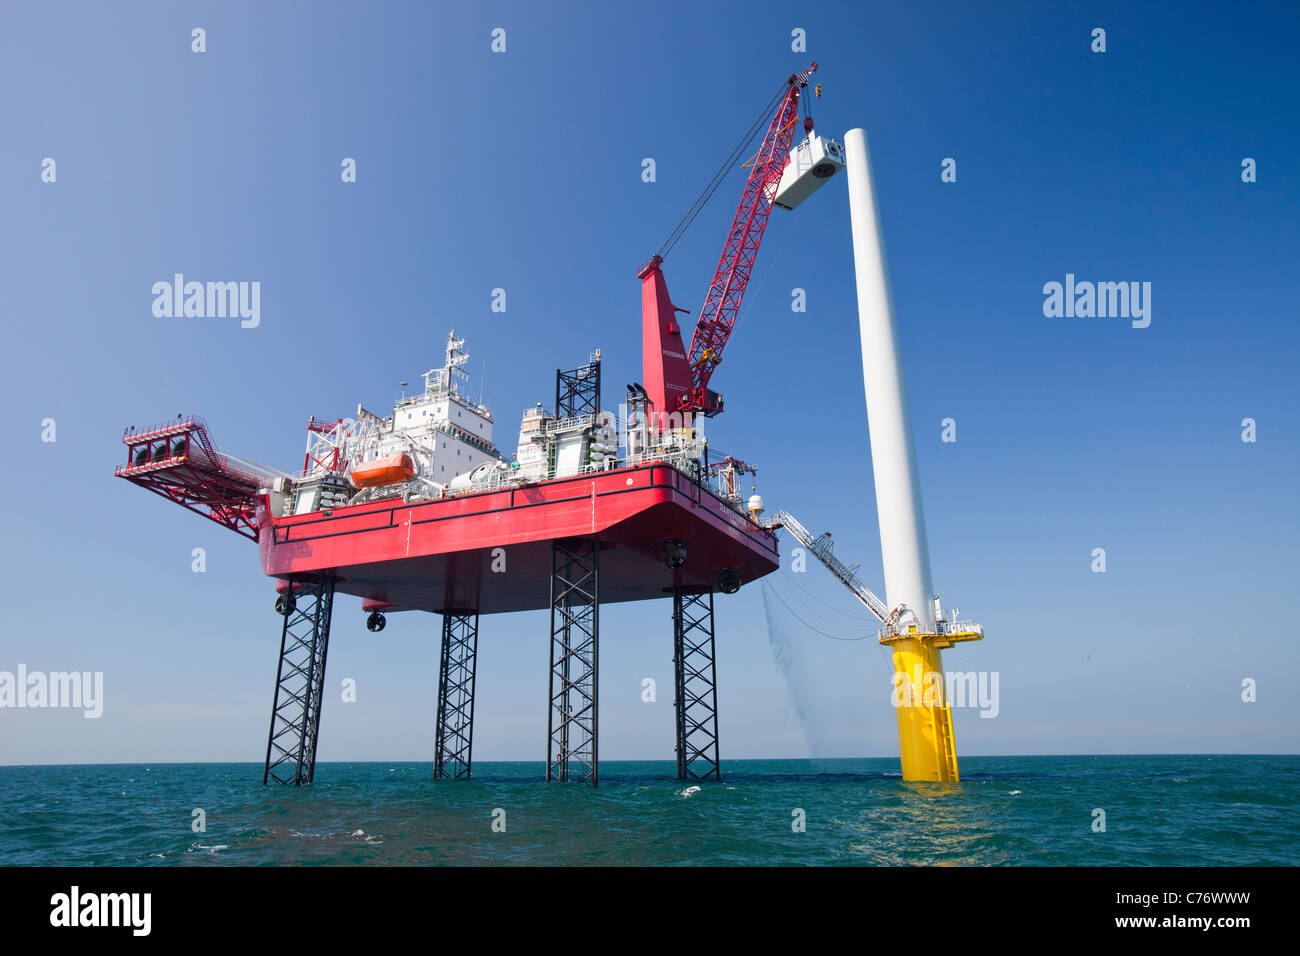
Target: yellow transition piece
(925,740)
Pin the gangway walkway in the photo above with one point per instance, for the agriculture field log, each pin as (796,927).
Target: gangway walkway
(897,626)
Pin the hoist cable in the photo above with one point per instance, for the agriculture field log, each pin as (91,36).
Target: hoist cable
(774,593)
(727,166)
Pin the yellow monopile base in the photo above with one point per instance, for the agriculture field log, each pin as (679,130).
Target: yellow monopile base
(925,739)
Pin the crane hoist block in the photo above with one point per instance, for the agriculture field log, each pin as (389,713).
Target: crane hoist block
(812,162)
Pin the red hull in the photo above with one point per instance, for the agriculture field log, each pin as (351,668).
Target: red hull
(440,555)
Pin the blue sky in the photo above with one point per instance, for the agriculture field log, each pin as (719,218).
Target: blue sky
(522,170)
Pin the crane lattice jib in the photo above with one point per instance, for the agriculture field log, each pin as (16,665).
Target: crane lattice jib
(722,304)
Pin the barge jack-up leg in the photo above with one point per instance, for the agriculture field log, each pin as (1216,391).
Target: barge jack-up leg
(455,728)
(575,631)
(696,686)
(300,681)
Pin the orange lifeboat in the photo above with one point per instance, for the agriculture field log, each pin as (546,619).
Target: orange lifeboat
(384,471)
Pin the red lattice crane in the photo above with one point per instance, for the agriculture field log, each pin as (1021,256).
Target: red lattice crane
(677,379)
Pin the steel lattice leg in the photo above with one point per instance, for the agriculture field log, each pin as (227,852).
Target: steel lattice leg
(575,610)
(455,731)
(696,680)
(299,684)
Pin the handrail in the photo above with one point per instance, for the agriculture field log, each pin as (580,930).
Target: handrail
(188,425)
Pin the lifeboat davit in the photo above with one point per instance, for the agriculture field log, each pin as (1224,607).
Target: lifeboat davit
(388,470)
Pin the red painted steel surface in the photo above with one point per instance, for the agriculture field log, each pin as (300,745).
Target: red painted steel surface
(194,475)
(440,554)
(664,369)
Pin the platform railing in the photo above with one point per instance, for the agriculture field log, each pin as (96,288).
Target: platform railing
(568,424)
(894,631)
(188,424)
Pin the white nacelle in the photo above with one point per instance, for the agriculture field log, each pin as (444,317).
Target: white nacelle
(812,162)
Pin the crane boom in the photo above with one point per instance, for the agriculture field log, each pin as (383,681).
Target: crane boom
(721,306)
(677,378)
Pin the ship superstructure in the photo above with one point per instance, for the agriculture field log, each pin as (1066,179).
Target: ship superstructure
(430,441)
(438,443)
